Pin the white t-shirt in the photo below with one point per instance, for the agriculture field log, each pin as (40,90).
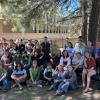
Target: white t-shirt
(4,58)
(65,61)
(76,60)
(19,73)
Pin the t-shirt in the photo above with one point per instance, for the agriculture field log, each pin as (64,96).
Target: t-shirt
(70,51)
(49,71)
(19,73)
(90,62)
(65,61)
(78,61)
(4,58)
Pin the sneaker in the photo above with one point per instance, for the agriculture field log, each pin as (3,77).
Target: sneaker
(14,85)
(39,85)
(20,88)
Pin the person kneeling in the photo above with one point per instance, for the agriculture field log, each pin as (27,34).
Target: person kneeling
(19,76)
(69,82)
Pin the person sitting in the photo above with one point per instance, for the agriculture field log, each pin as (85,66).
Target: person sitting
(69,81)
(77,63)
(34,72)
(19,76)
(48,74)
(65,59)
(3,77)
(89,71)
(58,76)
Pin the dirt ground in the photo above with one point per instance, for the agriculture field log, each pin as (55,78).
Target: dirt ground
(35,93)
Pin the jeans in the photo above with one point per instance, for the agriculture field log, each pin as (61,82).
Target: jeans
(65,87)
(4,83)
(55,85)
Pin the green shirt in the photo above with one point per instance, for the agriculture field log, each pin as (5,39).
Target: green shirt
(33,73)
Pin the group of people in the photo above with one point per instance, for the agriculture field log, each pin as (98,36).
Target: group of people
(33,63)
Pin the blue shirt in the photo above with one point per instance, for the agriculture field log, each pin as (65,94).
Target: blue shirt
(19,73)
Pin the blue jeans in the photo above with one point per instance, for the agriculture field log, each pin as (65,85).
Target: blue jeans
(4,83)
(65,87)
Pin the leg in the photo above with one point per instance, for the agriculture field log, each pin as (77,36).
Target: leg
(60,85)
(65,88)
(5,83)
(90,73)
(83,76)
(73,86)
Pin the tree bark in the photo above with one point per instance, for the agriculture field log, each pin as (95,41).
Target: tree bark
(84,19)
(98,34)
(93,21)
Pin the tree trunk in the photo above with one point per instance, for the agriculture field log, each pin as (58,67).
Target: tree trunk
(98,34)
(93,21)
(84,19)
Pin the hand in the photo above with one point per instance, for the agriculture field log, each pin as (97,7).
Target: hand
(49,79)
(55,81)
(67,82)
(64,80)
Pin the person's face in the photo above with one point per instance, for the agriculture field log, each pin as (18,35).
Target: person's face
(18,66)
(87,55)
(49,66)
(89,43)
(69,45)
(45,39)
(34,63)
(70,68)
(65,53)
(60,68)
(78,55)
(29,41)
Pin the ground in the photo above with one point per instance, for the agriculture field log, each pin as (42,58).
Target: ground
(35,93)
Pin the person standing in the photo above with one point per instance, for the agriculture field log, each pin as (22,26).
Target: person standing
(45,45)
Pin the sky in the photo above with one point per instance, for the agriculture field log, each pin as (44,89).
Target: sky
(74,4)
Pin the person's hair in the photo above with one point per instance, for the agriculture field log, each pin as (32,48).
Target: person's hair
(71,44)
(80,37)
(64,52)
(45,37)
(78,53)
(48,64)
(88,53)
(16,67)
(58,68)
(34,61)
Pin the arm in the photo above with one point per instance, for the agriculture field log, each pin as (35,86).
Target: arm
(31,75)
(73,78)
(23,76)
(61,61)
(3,77)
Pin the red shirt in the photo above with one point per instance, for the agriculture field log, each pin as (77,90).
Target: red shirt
(90,63)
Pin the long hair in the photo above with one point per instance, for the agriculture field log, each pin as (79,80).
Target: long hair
(64,52)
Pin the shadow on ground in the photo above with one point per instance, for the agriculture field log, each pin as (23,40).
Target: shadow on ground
(35,93)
